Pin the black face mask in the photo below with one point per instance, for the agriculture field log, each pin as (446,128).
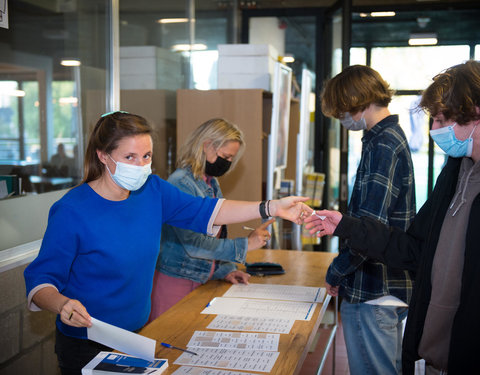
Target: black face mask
(218,168)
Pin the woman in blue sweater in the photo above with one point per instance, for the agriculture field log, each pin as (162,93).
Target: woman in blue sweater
(102,240)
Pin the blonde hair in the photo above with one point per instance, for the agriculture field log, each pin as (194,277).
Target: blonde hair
(218,132)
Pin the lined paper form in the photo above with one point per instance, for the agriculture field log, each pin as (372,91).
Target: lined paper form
(187,370)
(261,308)
(277,292)
(235,340)
(247,360)
(251,323)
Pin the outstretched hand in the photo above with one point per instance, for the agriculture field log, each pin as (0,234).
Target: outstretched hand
(291,208)
(323,222)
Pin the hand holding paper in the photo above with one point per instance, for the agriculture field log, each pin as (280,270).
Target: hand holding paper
(323,222)
(122,340)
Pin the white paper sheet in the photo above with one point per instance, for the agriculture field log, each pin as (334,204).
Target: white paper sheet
(252,324)
(261,308)
(277,292)
(248,360)
(122,340)
(187,370)
(235,340)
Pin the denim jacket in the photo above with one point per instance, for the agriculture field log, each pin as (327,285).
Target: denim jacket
(189,255)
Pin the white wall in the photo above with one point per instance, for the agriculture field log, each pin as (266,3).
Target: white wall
(24,219)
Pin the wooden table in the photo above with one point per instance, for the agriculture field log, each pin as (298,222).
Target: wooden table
(305,268)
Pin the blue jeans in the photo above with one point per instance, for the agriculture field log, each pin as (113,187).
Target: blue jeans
(373,337)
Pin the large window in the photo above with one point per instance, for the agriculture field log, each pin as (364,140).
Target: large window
(409,70)
(54,72)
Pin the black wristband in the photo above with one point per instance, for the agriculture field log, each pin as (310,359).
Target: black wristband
(261,209)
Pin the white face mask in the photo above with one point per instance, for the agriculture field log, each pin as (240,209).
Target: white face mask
(128,176)
(350,124)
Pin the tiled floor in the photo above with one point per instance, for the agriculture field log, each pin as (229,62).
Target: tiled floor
(341,363)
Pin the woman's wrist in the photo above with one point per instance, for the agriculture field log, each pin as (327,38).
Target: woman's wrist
(272,207)
(262,209)
(267,209)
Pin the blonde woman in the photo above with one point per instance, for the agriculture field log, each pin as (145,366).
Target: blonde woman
(188,259)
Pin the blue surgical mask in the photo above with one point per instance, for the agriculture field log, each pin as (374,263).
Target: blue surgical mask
(128,176)
(445,139)
(350,124)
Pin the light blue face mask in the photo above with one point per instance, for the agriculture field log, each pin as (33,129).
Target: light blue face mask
(350,124)
(128,176)
(445,139)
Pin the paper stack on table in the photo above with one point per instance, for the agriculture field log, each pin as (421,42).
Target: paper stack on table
(234,359)
(187,370)
(235,340)
(251,323)
(267,300)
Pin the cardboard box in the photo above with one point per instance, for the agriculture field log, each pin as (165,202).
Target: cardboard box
(245,81)
(246,66)
(247,50)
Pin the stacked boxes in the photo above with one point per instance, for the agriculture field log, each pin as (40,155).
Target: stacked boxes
(246,66)
(150,67)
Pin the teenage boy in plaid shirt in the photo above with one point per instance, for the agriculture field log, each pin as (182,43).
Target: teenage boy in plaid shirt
(375,297)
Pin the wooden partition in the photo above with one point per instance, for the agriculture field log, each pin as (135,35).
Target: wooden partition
(246,109)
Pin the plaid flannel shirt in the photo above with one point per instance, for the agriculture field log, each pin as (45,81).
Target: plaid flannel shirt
(384,190)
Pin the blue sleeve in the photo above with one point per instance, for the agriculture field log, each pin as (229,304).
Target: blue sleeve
(184,210)
(222,269)
(383,186)
(198,245)
(58,251)
(344,264)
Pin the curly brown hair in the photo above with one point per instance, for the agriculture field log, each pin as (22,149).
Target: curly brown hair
(455,93)
(353,90)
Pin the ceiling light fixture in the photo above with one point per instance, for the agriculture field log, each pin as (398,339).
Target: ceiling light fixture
(287,59)
(70,62)
(17,93)
(377,14)
(423,39)
(173,20)
(382,14)
(189,47)
(68,100)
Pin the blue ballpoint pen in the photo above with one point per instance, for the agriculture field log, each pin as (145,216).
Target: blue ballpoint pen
(176,347)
